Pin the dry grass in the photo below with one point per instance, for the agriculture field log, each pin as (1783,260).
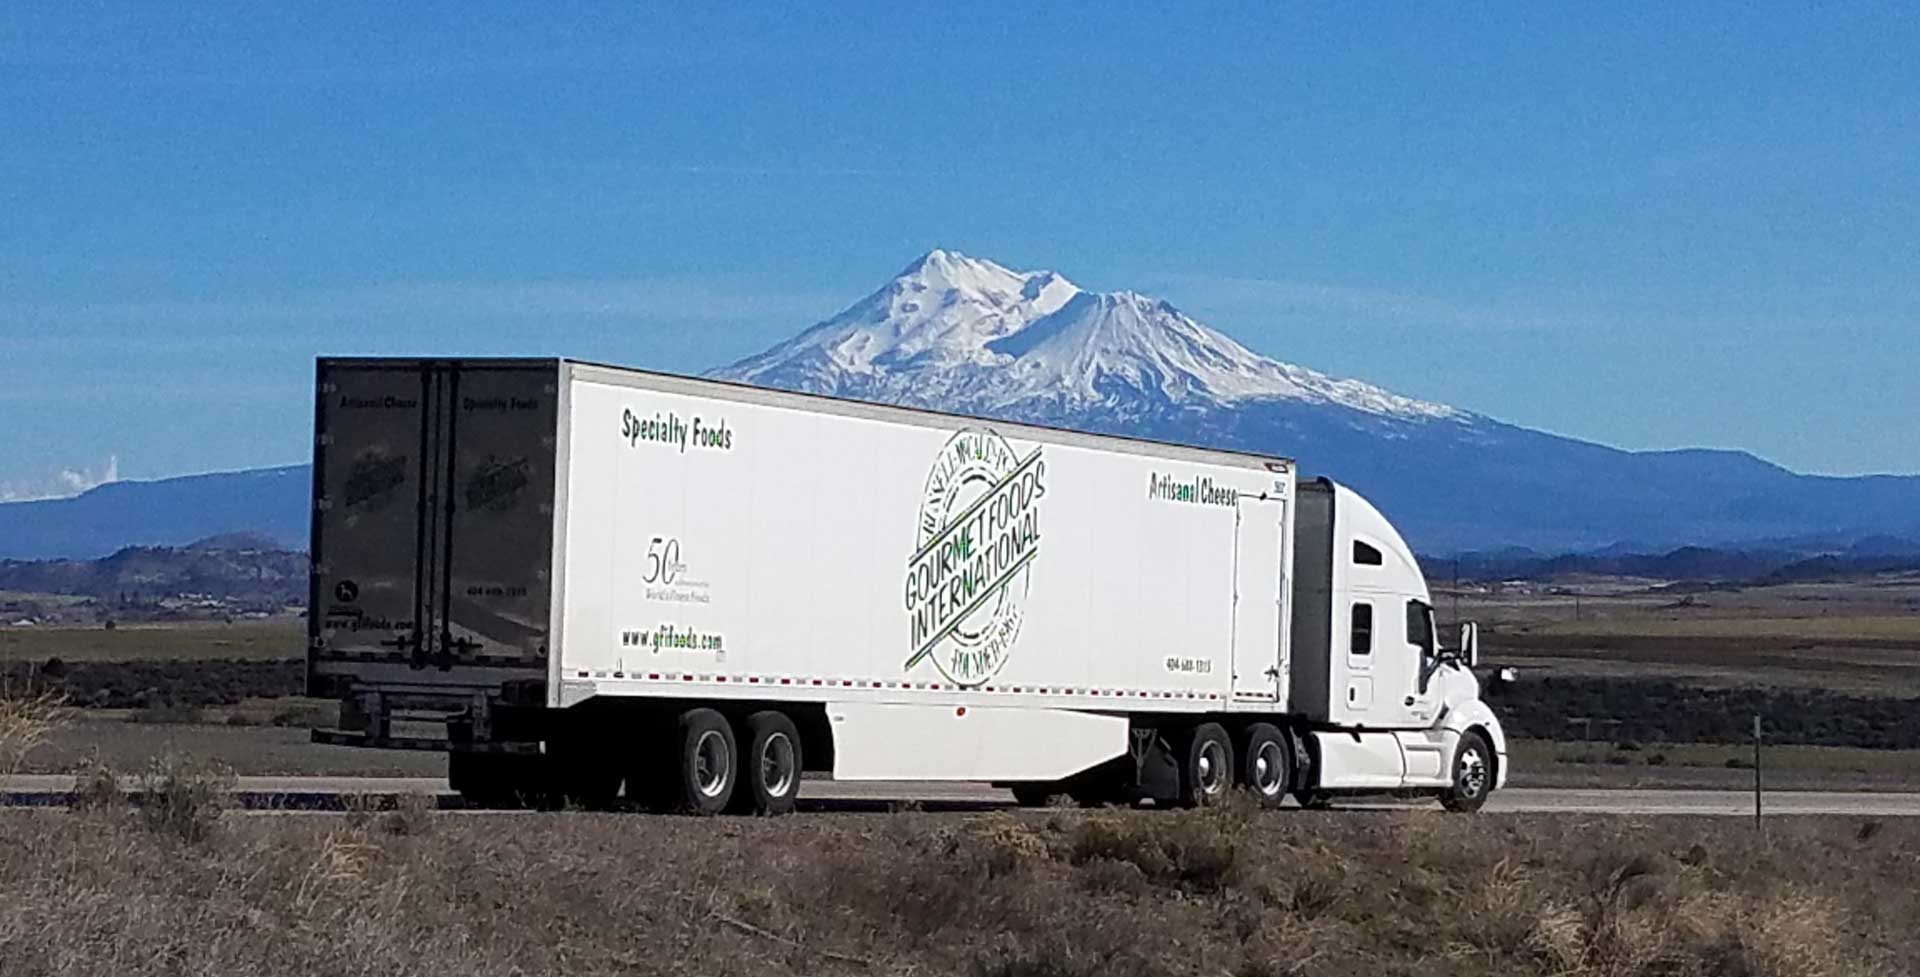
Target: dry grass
(26,721)
(1236,892)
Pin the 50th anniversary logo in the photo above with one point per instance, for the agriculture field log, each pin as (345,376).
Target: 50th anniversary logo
(971,570)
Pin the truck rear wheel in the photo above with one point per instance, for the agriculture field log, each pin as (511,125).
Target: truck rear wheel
(708,768)
(1266,765)
(1206,769)
(769,779)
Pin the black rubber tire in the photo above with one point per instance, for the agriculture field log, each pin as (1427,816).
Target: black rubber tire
(589,782)
(1206,766)
(480,780)
(755,791)
(707,768)
(1034,794)
(1473,775)
(1266,764)
(652,767)
(499,781)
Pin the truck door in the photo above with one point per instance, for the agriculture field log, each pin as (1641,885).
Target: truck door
(369,523)
(1259,587)
(433,514)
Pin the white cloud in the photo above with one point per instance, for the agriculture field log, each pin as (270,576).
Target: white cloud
(60,483)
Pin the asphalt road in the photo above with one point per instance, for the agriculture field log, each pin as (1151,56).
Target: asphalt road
(328,792)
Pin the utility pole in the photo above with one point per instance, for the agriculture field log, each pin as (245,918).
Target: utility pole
(1456,591)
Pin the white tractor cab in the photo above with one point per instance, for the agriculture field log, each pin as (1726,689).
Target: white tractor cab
(1382,707)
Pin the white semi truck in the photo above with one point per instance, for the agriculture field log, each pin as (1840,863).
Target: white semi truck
(579,579)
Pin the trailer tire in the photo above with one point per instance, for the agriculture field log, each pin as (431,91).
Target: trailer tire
(1472,775)
(769,779)
(491,781)
(1266,763)
(590,784)
(708,768)
(1206,766)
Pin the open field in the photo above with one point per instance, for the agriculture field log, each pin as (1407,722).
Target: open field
(253,750)
(246,640)
(1223,892)
(1861,638)
(262,749)
(1543,763)
(1828,664)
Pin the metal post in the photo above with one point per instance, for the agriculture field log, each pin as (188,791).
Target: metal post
(1456,592)
(1756,771)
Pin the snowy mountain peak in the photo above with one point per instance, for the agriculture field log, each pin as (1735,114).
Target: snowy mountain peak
(959,333)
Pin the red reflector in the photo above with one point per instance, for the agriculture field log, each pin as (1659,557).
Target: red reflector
(960,711)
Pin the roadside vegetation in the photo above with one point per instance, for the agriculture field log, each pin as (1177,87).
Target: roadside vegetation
(1234,891)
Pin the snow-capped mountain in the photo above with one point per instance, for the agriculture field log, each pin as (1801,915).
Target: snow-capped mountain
(964,334)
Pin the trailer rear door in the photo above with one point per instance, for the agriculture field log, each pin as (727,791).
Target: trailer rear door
(433,514)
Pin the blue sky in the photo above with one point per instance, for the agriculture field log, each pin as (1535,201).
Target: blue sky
(1646,226)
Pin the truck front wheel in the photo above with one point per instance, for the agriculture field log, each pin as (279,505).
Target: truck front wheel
(1472,775)
(1206,769)
(769,781)
(708,768)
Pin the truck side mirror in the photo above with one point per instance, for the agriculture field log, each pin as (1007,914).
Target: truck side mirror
(1470,644)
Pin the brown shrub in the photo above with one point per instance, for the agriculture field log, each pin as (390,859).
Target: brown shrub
(96,786)
(183,797)
(26,720)
(1002,894)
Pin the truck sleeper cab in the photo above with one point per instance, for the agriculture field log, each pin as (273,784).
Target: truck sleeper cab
(587,583)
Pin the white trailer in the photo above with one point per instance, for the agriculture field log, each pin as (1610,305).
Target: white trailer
(577,578)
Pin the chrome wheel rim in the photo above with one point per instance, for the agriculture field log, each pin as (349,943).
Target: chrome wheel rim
(777,772)
(1269,769)
(1472,778)
(1213,768)
(712,764)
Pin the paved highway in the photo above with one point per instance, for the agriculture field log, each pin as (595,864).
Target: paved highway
(327,792)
